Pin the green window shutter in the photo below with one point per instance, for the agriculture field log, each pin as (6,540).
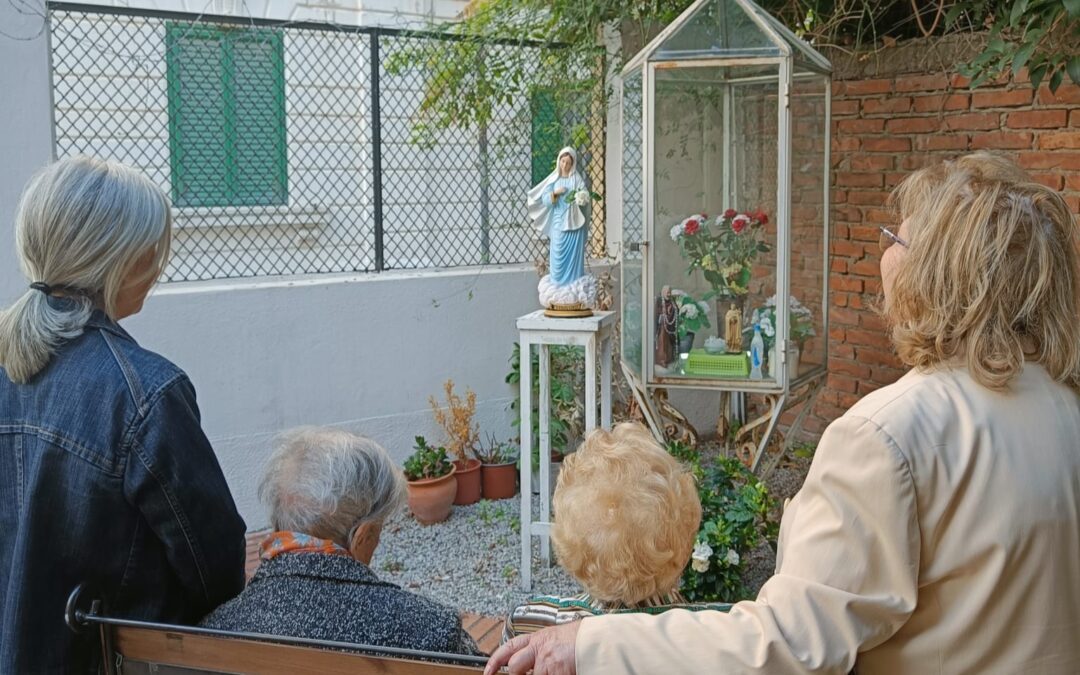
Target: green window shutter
(546,134)
(226,91)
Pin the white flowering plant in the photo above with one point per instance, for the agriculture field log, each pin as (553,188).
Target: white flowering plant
(693,314)
(735,520)
(800,322)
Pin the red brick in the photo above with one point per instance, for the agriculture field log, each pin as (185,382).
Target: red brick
(846,283)
(959,81)
(859,179)
(844,144)
(873,321)
(870,162)
(844,317)
(841,351)
(837,88)
(856,302)
(882,216)
(847,107)
(922,83)
(1072,182)
(846,400)
(1037,119)
(848,213)
(942,142)
(1074,118)
(886,144)
(847,249)
(1059,139)
(1054,181)
(865,233)
(1002,99)
(875,357)
(866,268)
(873,106)
(940,102)
(865,87)
(872,286)
(838,382)
(1073,203)
(913,161)
(1002,139)
(860,126)
(892,179)
(851,368)
(868,198)
(867,387)
(1069,161)
(973,121)
(838,266)
(836,333)
(913,125)
(1066,93)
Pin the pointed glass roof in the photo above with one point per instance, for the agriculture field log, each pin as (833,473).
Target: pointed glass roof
(729,29)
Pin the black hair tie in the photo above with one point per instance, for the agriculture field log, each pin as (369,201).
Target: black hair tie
(42,286)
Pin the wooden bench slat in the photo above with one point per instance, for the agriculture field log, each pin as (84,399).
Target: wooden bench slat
(229,655)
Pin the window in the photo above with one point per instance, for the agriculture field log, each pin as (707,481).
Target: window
(226,90)
(546,134)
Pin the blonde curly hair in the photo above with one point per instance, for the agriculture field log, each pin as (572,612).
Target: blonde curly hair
(626,516)
(992,274)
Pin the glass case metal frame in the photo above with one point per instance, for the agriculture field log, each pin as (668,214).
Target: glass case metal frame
(781,392)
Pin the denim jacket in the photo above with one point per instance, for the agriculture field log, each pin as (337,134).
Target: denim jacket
(107,479)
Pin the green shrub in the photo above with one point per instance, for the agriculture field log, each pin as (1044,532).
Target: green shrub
(734,521)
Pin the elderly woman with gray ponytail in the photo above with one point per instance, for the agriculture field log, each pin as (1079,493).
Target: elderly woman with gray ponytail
(106,477)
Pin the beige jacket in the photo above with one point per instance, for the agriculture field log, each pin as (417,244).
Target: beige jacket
(938,531)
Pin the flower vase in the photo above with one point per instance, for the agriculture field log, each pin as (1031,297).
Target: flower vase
(772,361)
(686,343)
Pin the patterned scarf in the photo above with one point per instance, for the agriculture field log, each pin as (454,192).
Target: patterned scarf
(296,542)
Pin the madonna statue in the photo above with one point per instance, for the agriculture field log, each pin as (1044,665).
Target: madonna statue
(558,208)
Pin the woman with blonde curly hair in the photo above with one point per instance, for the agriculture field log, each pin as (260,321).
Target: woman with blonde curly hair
(626,516)
(938,530)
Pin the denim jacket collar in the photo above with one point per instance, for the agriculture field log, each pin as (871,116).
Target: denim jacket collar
(98,318)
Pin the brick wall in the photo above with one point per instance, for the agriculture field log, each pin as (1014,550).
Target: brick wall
(885,124)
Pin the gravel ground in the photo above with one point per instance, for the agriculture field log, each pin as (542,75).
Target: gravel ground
(470,561)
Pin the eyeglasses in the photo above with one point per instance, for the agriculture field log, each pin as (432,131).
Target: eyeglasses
(888,238)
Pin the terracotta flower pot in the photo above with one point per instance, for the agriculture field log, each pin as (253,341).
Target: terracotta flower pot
(430,499)
(499,480)
(468,481)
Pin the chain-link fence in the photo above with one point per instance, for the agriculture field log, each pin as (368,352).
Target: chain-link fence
(287,148)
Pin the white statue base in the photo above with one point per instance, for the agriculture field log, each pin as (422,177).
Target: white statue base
(578,295)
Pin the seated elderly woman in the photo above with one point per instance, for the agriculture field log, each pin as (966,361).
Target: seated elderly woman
(329,493)
(626,516)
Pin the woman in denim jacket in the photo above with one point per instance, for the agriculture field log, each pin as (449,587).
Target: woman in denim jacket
(106,477)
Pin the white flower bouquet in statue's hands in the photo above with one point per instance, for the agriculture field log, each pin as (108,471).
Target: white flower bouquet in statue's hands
(581,197)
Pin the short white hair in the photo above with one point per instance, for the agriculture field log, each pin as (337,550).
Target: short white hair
(324,482)
(82,223)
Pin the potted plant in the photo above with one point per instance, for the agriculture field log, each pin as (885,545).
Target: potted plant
(463,436)
(432,487)
(693,316)
(498,470)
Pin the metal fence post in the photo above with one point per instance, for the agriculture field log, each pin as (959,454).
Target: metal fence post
(376,154)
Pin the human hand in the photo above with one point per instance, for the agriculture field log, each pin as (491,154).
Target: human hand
(546,652)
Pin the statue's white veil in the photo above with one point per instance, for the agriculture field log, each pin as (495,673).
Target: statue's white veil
(540,209)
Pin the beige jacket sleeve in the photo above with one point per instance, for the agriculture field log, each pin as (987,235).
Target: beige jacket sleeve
(847,578)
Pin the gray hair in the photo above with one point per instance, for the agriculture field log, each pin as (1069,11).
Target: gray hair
(82,223)
(324,482)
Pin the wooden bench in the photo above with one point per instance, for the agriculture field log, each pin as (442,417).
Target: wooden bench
(138,647)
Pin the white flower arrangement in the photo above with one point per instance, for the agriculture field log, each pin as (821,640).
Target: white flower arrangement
(700,557)
(677,231)
(689,310)
(732,557)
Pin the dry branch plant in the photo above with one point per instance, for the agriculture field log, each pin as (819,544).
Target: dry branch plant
(456,419)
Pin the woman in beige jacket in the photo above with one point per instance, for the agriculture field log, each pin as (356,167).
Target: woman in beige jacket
(938,530)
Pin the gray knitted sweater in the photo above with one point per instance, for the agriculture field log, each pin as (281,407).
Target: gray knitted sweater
(334,597)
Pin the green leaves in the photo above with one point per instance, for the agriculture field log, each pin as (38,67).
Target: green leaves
(1074,66)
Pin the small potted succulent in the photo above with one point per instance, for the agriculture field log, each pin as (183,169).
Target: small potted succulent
(498,469)
(431,483)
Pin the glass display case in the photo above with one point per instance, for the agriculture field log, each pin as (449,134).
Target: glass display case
(725,206)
